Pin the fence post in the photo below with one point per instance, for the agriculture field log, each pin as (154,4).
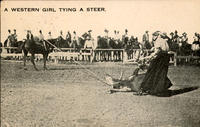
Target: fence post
(124,58)
(175,59)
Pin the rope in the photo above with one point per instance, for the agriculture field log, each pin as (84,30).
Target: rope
(93,74)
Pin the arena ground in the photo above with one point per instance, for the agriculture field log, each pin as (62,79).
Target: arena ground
(66,96)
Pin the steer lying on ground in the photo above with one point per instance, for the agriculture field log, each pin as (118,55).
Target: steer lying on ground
(133,82)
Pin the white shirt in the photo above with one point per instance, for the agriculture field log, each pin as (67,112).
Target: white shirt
(41,37)
(74,37)
(49,37)
(89,44)
(161,43)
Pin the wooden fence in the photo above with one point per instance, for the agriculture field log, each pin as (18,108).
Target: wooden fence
(97,55)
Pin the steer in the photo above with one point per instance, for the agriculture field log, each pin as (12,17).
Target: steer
(133,82)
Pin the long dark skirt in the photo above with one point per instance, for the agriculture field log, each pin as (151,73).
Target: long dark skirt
(156,80)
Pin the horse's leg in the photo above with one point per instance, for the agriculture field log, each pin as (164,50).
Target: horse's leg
(45,59)
(32,60)
(25,55)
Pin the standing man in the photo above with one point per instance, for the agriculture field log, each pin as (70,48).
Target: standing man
(107,45)
(7,42)
(90,34)
(8,38)
(125,38)
(176,37)
(145,40)
(74,40)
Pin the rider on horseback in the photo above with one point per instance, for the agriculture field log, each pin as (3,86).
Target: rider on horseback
(15,35)
(41,40)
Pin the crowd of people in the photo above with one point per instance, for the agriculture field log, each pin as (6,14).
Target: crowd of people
(177,43)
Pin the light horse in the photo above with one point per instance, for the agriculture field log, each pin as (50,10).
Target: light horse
(35,47)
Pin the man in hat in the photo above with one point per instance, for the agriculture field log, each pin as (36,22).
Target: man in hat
(15,35)
(184,38)
(90,34)
(116,37)
(61,35)
(29,35)
(175,39)
(8,38)
(8,41)
(49,37)
(68,37)
(145,39)
(74,40)
(89,44)
(106,33)
(41,39)
(41,36)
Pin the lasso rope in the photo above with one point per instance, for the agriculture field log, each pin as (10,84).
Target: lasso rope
(88,70)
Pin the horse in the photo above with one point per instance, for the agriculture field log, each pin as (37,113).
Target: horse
(35,47)
(103,43)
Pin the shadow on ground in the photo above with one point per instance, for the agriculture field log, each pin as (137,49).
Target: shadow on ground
(71,68)
(168,93)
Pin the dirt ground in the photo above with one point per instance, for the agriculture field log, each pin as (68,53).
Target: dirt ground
(66,96)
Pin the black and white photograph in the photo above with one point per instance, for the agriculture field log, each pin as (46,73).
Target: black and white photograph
(98,63)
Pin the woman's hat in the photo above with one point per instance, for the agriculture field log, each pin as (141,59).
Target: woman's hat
(156,33)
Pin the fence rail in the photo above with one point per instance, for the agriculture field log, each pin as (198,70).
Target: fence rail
(97,55)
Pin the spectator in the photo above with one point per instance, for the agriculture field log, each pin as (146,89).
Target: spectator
(49,37)
(89,44)
(196,45)
(74,40)
(29,36)
(61,35)
(41,39)
(145,40)
(125,38)
(15,35)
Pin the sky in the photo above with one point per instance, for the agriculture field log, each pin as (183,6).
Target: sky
(136,16)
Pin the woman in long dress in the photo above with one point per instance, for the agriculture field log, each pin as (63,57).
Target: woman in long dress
(156,80)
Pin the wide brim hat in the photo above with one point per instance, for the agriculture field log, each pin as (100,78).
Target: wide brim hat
(156,33)
(184,33)
(164,34)
(106,31)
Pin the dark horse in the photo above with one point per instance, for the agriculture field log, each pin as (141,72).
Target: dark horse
(35,47)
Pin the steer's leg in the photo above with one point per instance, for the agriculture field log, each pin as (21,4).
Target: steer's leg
(32,60)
